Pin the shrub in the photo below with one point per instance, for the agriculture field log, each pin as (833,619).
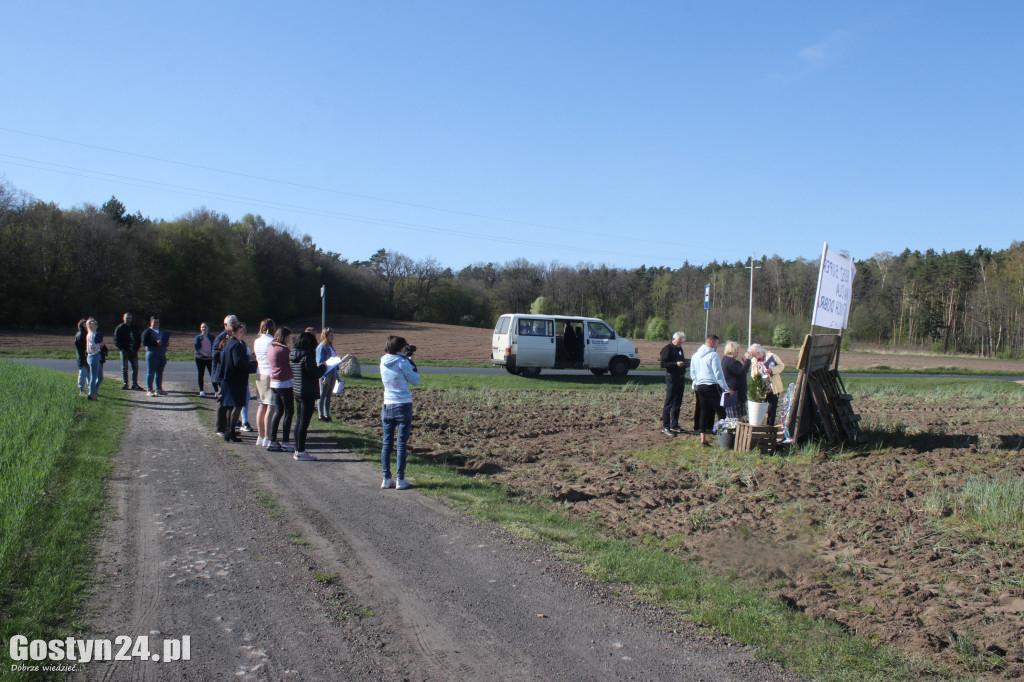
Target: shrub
(757,392)
(782,337)
(657,330)
(621,325)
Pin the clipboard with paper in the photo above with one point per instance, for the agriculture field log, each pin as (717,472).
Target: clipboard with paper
(332,364)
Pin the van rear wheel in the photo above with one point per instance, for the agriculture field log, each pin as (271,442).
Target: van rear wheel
(597,372)
(529,372)
(619,367)
(510,369)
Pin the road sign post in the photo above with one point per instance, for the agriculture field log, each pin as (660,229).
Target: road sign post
(707,305)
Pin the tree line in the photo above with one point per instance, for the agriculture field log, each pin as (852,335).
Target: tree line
(57,265)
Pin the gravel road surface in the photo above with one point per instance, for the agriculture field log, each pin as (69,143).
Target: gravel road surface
(278,569)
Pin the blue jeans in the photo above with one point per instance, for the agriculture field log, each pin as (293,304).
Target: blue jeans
(83,376)
(155,363)
(393,416)
(95,373)
(245,405)
(323,406)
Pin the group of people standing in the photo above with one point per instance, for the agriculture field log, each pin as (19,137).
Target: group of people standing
(128,339)
(719,382)
(290,381)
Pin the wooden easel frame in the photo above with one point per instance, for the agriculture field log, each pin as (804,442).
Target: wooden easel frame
(819,380)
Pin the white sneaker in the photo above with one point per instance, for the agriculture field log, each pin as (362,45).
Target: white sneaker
(202,394)
(259,442)
(401,484)
(388,483)
(305,456)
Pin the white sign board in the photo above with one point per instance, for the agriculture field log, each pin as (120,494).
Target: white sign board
(835,290)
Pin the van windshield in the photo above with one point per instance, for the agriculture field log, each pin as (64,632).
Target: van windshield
(599,330)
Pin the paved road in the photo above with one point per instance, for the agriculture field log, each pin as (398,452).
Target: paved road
(185,372)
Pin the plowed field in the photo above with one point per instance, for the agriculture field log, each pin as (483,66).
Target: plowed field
(872,538)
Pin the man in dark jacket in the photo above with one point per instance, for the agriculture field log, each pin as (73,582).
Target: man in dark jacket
(674,362)
(128,340)
(217,373)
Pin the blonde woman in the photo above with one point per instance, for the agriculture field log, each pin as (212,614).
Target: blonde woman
(83,358)
(94,356)
(324,352)
(735,368)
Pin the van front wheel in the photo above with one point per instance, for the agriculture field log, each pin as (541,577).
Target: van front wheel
(619,367)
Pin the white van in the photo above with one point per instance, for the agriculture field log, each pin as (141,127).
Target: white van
(524,344)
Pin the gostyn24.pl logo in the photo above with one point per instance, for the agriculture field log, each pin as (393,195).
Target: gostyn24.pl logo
(73,650)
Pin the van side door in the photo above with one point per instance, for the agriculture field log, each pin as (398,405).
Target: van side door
(534,342)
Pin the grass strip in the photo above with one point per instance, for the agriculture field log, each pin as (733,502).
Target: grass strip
(819,649)
(60,446)
(114,357)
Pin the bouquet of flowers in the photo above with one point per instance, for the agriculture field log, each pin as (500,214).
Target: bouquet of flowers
(727,425)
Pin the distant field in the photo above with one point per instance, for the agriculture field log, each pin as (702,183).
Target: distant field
(448,343)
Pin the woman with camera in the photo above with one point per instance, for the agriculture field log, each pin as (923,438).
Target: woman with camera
(397,373)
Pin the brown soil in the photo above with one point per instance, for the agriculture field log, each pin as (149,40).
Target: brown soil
(861,538)
(365,338)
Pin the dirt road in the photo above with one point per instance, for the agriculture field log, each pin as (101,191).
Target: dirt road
(277,569)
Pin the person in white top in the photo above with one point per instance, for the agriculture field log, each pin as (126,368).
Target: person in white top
(94,353)
(265,410)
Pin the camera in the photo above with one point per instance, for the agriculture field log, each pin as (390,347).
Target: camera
(410,349)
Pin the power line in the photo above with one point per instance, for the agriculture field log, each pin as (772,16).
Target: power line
(305,210)
(587,233)
(304,186)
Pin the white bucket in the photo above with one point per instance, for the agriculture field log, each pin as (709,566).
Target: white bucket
(756,412)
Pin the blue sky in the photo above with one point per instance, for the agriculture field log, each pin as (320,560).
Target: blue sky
(603,132)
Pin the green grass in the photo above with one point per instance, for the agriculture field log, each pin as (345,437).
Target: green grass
(114,357)
(940,370)
(55,453)
(989,509)
(815,648)
(937,388)
(37,353)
